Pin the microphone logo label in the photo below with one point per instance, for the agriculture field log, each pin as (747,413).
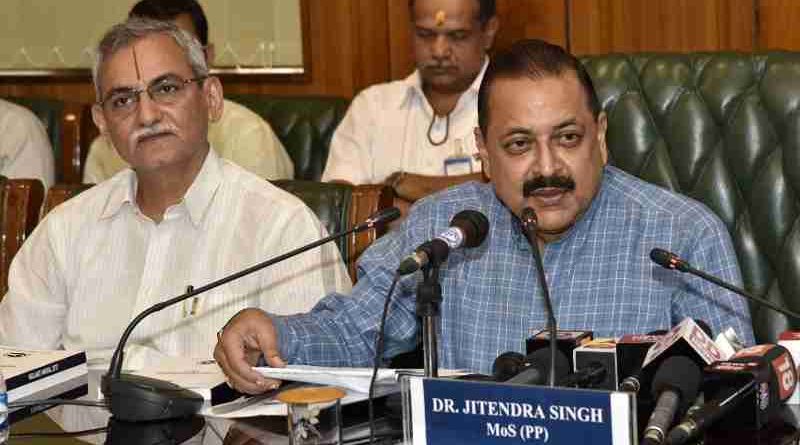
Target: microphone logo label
(453,237)
(784,369)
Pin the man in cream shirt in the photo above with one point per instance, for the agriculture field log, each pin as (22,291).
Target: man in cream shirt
(416,134)
(240,135)
(181,216)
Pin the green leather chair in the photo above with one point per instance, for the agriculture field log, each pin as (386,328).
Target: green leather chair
(304,125)
(62,122)
(341,206)
(723,128)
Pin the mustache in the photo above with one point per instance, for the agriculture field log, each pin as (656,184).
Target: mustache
(143,132)
(561,182)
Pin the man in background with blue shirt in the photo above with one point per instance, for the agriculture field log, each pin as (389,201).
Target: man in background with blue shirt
(542,141)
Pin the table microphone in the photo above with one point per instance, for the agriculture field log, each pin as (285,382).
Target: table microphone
(669,260)
(136,398)
(530,225)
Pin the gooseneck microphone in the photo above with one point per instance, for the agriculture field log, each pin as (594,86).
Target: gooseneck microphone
(139,399)
(468,228)
(530,225)
(669,260)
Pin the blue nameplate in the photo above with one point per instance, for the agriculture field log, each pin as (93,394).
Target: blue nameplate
(454,411)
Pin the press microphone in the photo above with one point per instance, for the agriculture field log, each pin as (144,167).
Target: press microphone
(745,391)
(538,368)
(530,225)
(595,365)
(468,228)
(136,398)
(669,260)
(675,386)
(690,338)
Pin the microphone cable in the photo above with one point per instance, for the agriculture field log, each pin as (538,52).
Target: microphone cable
(378,354)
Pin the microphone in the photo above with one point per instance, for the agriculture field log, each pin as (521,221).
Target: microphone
(588,376)
(539,368)
(669,260)
(137,399)
(675,386)
(595,365)
(689,338)
(530,225)
(631,350)
(770,378)
(468,228)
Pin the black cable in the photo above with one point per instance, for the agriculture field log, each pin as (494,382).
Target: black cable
(378,355)
(54,402)
(60,434)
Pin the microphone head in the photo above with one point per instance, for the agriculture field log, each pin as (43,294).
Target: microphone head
(668,260)
(383,216)
(507,365)
(473,224)
(681,374)
(541,357)
(529,219)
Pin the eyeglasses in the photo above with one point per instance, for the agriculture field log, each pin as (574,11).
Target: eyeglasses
(166,90)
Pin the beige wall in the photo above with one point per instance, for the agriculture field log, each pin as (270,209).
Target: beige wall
(61,34)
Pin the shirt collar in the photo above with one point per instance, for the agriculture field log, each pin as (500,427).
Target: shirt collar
(413,85)
(197,199)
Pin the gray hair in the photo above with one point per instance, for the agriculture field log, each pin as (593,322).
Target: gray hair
(126,33)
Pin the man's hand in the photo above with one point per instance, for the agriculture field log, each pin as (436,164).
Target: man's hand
(249,334)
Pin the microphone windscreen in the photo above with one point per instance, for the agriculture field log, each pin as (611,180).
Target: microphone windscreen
(473,224)
(385,215)
(541,357)
(661,257)
(681,374)
(507,365)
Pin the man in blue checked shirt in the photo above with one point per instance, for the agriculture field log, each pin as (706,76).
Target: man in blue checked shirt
(541,130)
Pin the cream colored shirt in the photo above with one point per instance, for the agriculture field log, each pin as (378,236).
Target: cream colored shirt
(25,150)
(385,130)
(96,261)
(240,136)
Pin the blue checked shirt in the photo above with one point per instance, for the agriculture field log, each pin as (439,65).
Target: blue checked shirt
(600,277)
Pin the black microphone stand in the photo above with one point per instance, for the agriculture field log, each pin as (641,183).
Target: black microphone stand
(136,398)
(529,224)
(669,260)
(429,299)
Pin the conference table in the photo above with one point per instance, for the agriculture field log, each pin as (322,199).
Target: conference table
(272,430)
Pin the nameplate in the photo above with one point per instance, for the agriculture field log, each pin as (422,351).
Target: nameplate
(453,411)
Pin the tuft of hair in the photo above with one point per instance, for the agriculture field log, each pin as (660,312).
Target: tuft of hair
(125,34)
(168,10)
(487,9)
(534,59)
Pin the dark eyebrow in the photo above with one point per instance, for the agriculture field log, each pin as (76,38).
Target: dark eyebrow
(566,123)
(517,131)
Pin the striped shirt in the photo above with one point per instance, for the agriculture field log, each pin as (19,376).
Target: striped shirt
(599,273)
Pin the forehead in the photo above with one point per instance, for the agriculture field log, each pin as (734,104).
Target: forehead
(143,60)
(540,103)
(454,13)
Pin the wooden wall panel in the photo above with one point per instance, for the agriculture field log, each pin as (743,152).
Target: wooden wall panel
(778,24)
(543,19)
(600,26)
(355,43)
(348,40)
